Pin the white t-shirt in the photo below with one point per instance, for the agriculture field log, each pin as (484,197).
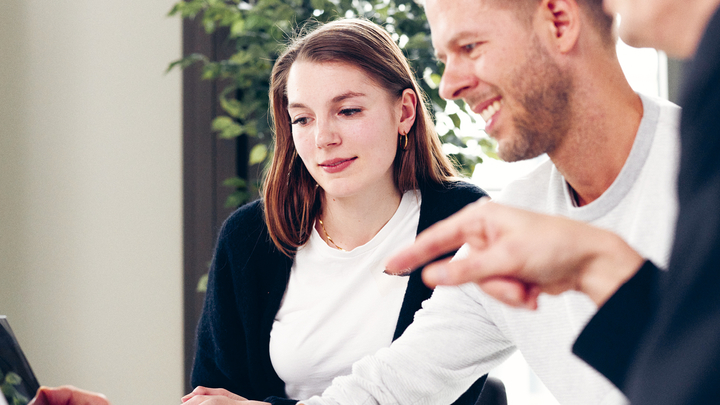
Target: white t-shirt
(339,305)
(461,333)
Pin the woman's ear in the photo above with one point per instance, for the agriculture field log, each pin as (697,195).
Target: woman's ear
(561,20)
(408,111)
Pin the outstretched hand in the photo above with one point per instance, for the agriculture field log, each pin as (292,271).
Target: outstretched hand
(67,395)
(216,396)
(515,254)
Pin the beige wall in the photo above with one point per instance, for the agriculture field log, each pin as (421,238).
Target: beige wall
(90,193)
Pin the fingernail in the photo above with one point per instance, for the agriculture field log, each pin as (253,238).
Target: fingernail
(403,272)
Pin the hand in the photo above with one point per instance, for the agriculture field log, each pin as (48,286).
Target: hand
(216,396)
(67,395)
(515,254)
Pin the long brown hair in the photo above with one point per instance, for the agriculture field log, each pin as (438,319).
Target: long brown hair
(291,197)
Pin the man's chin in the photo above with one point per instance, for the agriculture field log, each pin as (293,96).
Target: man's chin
(513,153)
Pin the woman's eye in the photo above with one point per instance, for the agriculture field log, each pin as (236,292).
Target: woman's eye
(349,111)
(301,121)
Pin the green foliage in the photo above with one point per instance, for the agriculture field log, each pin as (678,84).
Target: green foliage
(257,30)
(241,192)
(8,384)
(202,283)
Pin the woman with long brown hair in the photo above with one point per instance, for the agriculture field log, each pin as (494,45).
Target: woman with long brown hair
(296,291)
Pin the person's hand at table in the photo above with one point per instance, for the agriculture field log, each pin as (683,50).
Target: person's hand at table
(216,396)
(67,395)
(514,255)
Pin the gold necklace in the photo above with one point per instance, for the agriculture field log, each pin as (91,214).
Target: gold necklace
(328,236)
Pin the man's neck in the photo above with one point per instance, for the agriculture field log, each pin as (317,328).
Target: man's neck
(606,116)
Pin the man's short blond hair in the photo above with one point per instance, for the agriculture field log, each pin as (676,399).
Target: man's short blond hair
(601,21)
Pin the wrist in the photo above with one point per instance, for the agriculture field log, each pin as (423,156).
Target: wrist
(610,263)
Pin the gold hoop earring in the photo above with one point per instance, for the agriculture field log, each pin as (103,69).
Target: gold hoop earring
(404,141)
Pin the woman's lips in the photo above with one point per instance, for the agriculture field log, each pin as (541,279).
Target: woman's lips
(336,165)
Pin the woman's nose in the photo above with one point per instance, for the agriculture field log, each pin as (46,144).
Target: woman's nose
(326,134)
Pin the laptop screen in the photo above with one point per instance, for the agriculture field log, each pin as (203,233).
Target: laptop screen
(17,380)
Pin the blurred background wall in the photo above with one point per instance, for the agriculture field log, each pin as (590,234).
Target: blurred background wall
(90,193)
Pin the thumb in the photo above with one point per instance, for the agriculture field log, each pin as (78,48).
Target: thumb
(512,292)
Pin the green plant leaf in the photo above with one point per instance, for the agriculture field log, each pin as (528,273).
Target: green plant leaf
(237,28)
(258,154)
(489,148)
(455,119)
(187,61)
(222,122)
(236,182)
(227,127)
(202,284)
(13,378)
(237,198)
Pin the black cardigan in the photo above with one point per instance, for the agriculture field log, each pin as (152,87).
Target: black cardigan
(247,281)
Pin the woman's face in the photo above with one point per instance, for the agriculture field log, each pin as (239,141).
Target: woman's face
(345,127)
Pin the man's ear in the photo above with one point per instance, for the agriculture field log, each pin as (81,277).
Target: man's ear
(560,19)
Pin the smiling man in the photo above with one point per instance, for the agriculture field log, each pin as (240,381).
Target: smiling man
(545,77)
(657,334)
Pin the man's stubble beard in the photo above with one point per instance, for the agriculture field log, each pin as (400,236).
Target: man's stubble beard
(543,91)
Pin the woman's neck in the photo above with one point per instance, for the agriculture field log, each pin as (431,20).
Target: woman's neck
(353,221)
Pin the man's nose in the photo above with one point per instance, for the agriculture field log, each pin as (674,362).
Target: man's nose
(456,79)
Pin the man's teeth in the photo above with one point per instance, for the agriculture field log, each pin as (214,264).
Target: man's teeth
(487,113)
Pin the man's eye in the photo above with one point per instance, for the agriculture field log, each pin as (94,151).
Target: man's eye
(349,111)
(301,121)
(470,47)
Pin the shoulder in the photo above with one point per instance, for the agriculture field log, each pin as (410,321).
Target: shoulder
(244,242)
(666,114)
(660,141)
(668,125)
(457,192)
(247,220)
(525,191)
(439,201)
(660,124)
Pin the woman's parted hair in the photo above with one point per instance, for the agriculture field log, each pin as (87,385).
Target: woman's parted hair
(292,199)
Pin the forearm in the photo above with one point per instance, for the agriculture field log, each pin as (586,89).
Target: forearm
(449,346)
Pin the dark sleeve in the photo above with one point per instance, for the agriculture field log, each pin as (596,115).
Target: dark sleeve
(247,280)
(611,339)
(280,401)
(219,356)
(473,394)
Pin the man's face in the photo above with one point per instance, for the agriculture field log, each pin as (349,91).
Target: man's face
(498,65)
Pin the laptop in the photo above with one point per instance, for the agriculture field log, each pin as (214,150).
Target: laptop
(17,380)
